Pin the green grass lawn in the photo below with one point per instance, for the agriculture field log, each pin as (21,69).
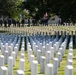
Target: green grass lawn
(60,69)
(63,63)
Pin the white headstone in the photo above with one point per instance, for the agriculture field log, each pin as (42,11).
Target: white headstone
(48,57)
(38,55)
(61,51)
(29,53)
(22,56)
(63,48)
(68,70)
(11,46)
(21,64)
(6,46)
(20,72)
(13,55)
(3,70)
(55,48)
(50,44)
(47,47)
(22,50)
(6,55)
(59,56)
(31,59)
(3,49)
(69,62)
(52,52)
(42,64)
(55,64)
(34,68)
(49,69)
(43,51)
(36,50)
(10,65)
(1,60)
(70,55)
(16,50)
(9,50)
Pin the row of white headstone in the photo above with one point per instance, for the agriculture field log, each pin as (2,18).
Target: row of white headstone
(65,24)
(9,53)
(43,49)
(69,67)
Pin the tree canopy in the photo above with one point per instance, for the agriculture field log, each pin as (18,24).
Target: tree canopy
(66,9)
(10,8)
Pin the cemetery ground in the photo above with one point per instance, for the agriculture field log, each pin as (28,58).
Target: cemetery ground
(60,69)
(35,29)
(44,29)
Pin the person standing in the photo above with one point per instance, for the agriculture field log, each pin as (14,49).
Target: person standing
(23,22)
(5,23)
(1,22)
(14,22)
(9,22)
(29,22)
(33,22)
(45,19)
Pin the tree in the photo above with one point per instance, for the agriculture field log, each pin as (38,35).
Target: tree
(36,8)
(10,8)
(66,9)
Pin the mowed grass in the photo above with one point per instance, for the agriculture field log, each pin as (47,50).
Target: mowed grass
(43,29)
(60,69)
(63,63)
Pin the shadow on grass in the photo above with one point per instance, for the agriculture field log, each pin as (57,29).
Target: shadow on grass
(4,31)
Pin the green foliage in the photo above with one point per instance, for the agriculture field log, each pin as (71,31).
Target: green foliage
(10,7)
(66,9)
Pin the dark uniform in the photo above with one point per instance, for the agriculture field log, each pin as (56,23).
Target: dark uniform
(1,22)
(23,22)
(14,22)
(5,23)
(9,22)
(28,22)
